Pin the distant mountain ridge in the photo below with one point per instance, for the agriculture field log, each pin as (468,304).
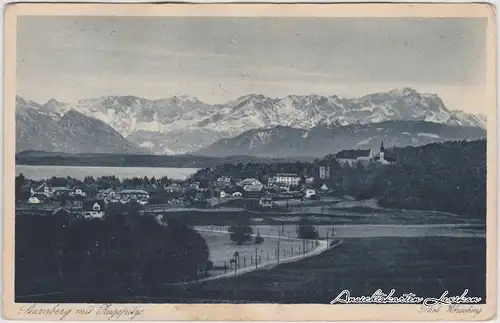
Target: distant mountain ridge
(71,132)
(280,141)
(183,124)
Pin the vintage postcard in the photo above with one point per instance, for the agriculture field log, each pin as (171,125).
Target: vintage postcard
(250,162)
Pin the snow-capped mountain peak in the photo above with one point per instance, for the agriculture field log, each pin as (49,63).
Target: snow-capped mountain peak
(183,123)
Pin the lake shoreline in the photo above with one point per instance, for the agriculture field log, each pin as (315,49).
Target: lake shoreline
(97,165)
(43,172)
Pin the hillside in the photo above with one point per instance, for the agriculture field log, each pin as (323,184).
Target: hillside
(72,132)
(322,140)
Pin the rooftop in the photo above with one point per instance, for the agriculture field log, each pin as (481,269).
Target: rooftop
(254,188)
(287,175)
(128,191)
(353,154)
(62,188)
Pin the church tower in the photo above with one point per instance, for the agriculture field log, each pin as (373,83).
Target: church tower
(381,155)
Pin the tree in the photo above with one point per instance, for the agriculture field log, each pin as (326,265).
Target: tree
(258,238)
(240,233)
(306,230)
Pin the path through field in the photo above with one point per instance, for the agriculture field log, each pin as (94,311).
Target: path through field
(273,251)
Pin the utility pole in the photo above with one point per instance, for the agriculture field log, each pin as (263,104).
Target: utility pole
(278,251)
(327,239)
(255,257)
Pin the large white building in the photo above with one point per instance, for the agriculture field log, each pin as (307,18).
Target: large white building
(285,179)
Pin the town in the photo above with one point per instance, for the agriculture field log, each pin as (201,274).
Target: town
(260,189)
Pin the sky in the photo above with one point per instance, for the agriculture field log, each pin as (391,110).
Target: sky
(218,59)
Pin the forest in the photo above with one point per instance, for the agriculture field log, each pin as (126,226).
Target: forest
(122,254)
(448,177)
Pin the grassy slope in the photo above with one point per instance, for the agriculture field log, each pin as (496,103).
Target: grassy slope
(423,266)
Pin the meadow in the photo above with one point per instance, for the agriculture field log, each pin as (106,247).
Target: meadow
(425,266)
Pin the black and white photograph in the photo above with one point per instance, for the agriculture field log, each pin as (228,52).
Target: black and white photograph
(205,159)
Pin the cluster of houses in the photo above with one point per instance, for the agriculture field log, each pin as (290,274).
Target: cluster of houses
(93,202)
(280,185)
(91,209)
(43,192)
(124,196)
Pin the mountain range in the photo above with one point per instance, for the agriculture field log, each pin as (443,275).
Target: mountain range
(73,132)
(184,124)
(321,140)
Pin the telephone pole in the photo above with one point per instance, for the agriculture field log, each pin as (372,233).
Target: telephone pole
(278,251)
(255,257)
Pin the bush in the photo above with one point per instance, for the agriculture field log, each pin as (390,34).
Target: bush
(306,230)
(258,238)
(240,233)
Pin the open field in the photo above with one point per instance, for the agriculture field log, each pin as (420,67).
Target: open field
(289,231)
(222,249)
(320,214)
(424,266)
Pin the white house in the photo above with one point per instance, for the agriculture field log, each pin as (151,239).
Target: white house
(107,194)
(78,191)
(250,181)
(34,200)
(93,209)
(324,187)
(43,189)
(309,192)
(134,195)
(60,191)
(222,194)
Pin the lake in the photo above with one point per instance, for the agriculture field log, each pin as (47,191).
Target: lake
(38,172)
